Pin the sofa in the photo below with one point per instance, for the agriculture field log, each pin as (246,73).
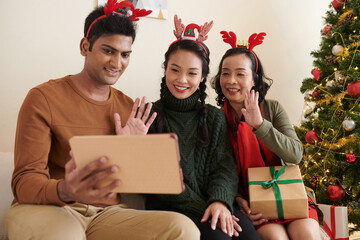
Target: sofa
(6,169)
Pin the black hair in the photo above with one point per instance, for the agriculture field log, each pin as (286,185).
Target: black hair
(114,23)
(196,48)
(262,83)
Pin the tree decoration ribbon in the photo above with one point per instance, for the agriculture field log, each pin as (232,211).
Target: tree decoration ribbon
(192,32)
(125,8)
(254,40)
(275,174)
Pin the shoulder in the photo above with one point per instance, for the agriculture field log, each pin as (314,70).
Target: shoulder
(270,108)
(270,104)
(121,96)
(49,89)
(215,115)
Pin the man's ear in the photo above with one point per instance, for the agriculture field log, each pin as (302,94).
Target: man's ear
(84,46)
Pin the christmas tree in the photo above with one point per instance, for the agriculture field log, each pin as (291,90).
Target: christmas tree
(330,130)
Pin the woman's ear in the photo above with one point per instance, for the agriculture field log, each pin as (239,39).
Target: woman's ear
(84,46)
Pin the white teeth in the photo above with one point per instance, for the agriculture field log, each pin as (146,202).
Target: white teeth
(233,90)
(180,88)
(112,71)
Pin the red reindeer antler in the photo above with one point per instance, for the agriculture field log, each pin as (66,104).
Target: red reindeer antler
(139,13)
(179,27)
(112,6)
(204,29)
(229,37)
(256,39)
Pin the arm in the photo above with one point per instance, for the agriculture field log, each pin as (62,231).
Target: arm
(279,136)
(274,128)
(223,179)
(31,181)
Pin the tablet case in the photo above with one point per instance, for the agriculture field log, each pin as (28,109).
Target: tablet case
(147,163)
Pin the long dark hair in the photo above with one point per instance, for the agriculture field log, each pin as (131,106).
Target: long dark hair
(262,83)
(194,47)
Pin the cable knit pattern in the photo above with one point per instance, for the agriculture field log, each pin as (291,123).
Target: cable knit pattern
(209,172)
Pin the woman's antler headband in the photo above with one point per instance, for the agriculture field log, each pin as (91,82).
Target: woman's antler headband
(125,8)
(192,32)
(254,40)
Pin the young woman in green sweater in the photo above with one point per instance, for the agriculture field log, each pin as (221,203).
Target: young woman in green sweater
(207,159)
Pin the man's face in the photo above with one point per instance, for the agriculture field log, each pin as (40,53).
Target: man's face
(108,59)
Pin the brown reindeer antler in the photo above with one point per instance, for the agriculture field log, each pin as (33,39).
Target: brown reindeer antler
(256,39)
(204,31)
(229,37)
(179,27)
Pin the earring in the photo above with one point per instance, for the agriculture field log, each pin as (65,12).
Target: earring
(223,99)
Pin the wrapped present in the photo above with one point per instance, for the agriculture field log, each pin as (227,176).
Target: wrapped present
(335,221)
(277,192)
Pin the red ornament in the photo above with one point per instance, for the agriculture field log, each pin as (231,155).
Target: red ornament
(311,137)
(326,29)
(315,94)
(354,89)
(338,4)
(316,72)
(335,192)
(350,158)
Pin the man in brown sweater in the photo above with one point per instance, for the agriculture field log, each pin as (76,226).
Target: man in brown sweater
(54,199)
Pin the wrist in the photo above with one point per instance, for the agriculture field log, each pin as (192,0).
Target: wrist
(258,125)
(62,193)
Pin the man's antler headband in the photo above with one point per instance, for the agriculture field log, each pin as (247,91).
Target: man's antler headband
(125,8)
(192,32)
(254,40)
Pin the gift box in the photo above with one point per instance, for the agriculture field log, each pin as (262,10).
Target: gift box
(277,192)
(335,221)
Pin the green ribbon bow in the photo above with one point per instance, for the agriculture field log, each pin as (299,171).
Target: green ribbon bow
(275,174)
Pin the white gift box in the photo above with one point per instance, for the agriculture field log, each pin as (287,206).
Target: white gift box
(335,221)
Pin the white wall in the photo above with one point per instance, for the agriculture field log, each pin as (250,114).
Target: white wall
(40,40)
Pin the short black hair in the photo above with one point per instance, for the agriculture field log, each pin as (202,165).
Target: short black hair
(262,83)
(114,23)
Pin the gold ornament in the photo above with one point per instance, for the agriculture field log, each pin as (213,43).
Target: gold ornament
(346,16)
(331,98)
(338,144)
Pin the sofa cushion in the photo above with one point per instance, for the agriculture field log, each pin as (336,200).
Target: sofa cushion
(6,169)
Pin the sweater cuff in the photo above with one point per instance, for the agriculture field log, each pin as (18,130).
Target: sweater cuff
(52,195)
(221,195)
(263,130)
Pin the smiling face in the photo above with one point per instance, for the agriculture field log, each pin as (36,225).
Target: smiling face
(183,73)
(236,79)
(108,58)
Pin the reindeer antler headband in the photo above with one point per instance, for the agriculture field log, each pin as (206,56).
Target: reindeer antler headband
(192,32)
(125,8)
(254,40)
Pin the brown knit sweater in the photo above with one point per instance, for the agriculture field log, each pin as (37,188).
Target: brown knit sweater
(50,115)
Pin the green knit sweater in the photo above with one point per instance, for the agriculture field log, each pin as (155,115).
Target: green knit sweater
(209,172)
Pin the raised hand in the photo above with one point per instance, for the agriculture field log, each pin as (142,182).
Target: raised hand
(251,111)
(138,122)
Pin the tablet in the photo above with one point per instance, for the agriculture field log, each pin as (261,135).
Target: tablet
(147,163)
